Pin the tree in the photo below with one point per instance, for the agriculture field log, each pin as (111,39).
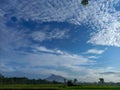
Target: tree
(65,82)
(84,2)
(1,79)
(75,81)
(54,82)
(101,80)
(1,76)
(69,83)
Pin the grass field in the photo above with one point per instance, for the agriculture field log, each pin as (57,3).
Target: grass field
(55,87)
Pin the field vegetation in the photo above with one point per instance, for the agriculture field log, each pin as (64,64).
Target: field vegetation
(56,87)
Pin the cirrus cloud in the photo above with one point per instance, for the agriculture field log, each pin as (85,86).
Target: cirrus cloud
(94,51)
(104,18)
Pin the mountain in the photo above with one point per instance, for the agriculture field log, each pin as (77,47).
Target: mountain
(55,78)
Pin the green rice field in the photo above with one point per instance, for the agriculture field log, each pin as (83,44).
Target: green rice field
(56,87)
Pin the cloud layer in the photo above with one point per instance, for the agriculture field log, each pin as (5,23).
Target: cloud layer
(104,17)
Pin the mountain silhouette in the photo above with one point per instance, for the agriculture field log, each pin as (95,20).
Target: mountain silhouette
(57,78)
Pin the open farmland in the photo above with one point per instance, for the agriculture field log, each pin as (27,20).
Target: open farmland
(56,87)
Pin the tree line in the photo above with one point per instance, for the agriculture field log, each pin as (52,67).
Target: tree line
(22,80)
(25,80)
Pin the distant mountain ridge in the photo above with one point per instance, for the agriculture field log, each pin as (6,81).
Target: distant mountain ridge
(57,78)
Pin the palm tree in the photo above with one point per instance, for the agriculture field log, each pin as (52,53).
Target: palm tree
(75,81)
(101,80)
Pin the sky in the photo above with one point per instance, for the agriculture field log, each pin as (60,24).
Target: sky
(62,37)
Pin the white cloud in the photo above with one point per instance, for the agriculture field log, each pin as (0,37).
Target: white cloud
(41,36)
(48,59)
(93,57)
(108,26)
(44,49)
(109,36)
(113,77)
(5,68)
(93,75)
(100,15)
(94,51)
(58,34)
(48,63)
(54,34)
(67,65)
(11,39)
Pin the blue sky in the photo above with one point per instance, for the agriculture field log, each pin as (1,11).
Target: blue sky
(62,37)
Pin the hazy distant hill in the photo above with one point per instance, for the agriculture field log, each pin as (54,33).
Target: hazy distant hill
(55,78)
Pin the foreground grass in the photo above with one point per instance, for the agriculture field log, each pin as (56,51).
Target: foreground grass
(56,87)
(93,87)
(31,86)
